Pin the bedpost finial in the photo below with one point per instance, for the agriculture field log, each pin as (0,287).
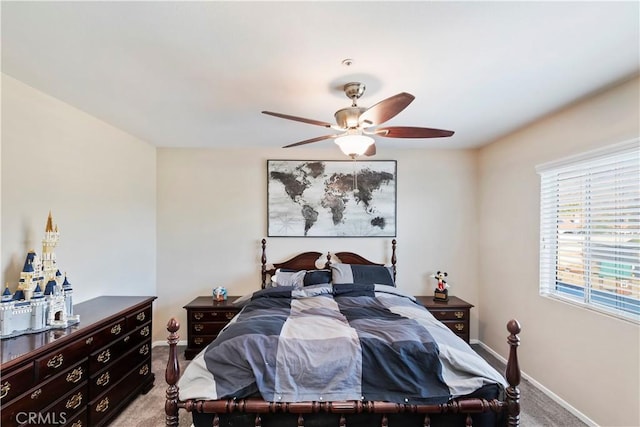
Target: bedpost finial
(513,326)
(173,325)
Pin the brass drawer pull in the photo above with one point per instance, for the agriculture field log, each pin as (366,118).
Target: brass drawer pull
(198,327)
(144,349)
(77,424)
(141,316)
(4,390)
(116,329)
(104,357)
(144,370)
(103,405)
(442,314)
(36,394)
(75,375)
(127,338)
(103,379)
(89,341)
(229,315)
(144,331)
(75,401)
(56,361)
(198,341)
(459,327)
(198,315)
(459,314)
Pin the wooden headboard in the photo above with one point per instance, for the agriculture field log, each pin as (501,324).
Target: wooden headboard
(307,261)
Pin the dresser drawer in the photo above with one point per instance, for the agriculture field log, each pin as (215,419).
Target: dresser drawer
(38,399)
(107,334)
(106,405)
(68,410)
(72,404)
(106,378)
(222,315)
(137,319)
(58,361)
(106,355)
(79,419)
(16,382)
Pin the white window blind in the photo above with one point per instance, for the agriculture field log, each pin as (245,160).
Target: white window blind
(590,230)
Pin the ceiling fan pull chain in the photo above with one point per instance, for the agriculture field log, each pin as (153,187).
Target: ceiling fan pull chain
(355,177)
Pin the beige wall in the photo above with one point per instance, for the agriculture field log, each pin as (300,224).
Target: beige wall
(212,215)
(588,359)
(99,184)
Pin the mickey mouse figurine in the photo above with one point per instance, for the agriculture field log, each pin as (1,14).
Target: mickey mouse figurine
(441,293)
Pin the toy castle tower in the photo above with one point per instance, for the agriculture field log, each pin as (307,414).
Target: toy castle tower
(43,299)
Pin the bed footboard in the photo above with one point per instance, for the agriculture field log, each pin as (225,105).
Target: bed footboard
(511,405)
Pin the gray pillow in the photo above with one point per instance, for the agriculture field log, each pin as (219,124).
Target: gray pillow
(366,274)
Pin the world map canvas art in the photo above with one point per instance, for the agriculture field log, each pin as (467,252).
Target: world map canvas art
(318,198)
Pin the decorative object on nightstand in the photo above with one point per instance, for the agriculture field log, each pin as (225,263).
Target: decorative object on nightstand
(206,317)
(441,293)
(454,313)
(220,294)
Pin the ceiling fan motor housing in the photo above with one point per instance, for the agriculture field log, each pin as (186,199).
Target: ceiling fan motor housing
(354,90)
(348,117)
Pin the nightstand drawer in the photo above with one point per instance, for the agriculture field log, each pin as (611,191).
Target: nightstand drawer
(460,328)
(218,315)
(200,341)
(209,328)
(205,319)
(450,314)
(454,313)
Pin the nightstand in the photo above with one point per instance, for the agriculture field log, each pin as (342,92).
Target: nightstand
(453,313)
(205,319)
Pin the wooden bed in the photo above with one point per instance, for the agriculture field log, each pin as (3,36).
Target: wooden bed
(506,411)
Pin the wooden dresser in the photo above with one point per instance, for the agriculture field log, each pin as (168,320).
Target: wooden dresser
(453,313)
(82,375)
(205,319)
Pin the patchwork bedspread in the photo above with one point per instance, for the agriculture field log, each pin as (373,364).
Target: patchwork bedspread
(331,343)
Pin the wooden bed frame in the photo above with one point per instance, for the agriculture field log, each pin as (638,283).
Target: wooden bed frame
(510,406)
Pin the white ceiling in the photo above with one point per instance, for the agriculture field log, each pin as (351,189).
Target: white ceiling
(197,74)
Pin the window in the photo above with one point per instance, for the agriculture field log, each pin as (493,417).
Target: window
(590,230)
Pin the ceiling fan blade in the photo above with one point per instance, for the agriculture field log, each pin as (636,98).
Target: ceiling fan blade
(386,109)
(412,132)
(309,141)
(299,119)
(371,150)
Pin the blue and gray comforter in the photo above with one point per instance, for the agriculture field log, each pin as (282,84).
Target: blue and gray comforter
(340,342)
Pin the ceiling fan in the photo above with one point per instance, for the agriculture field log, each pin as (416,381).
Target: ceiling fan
(357,124)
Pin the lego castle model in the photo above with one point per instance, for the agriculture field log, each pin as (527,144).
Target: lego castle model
(43,299)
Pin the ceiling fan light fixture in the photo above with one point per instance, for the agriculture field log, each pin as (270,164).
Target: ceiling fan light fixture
(354,144)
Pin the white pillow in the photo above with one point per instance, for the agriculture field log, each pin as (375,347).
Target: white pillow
(288,278)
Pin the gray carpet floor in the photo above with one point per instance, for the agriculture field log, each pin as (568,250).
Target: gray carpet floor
(537,409)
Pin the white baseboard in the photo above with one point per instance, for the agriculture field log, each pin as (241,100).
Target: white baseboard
(542,388)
